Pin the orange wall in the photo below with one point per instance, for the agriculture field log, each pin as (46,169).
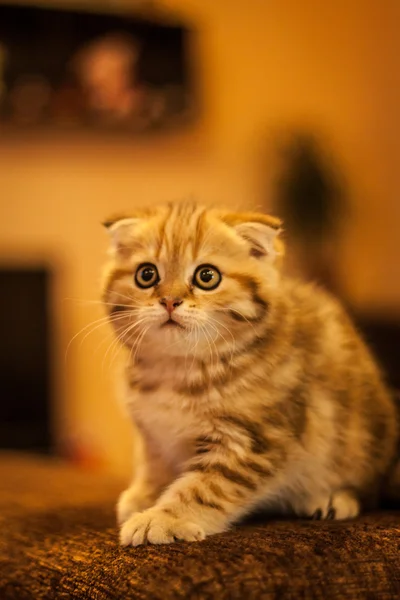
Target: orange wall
(333,67)
(263,65)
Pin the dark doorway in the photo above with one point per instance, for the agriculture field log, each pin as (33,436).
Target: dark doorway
(24,359)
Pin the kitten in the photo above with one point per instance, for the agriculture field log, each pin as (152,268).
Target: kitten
(249,390)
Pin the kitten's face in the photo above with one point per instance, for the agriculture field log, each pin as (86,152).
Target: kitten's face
(184,280)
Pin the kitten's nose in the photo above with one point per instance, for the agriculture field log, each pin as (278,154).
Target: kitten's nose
(170,304)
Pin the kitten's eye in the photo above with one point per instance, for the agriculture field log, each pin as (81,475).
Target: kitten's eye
(207,277)
(146,275)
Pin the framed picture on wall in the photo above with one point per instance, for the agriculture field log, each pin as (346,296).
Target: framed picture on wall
(71,69)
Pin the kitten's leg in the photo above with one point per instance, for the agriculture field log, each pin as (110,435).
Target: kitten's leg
(340,505)
(213,492)
(151,476)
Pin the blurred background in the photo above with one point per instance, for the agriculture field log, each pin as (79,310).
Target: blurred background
(289,107)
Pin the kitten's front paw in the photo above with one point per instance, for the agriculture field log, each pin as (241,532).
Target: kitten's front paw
(131,502)
(154,526)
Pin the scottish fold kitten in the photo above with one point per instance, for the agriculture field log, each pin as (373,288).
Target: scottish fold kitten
(249,390)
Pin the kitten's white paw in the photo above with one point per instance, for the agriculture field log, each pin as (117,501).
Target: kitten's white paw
(340,506)
(154,526)
(131,502)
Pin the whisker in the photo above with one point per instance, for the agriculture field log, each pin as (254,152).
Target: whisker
(119,338)
(131,300)
(139,342)
(210,348)
(222,325)
(194,349)
(99,322)
(239,313)
(98,302)
(117,344)
(213,340)
(233,348)
(191,331)
(108,338)
(114,318)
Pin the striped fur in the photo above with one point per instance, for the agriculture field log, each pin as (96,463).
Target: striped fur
(262,394)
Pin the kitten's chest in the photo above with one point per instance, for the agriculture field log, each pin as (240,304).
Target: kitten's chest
(172,419)
(170,422)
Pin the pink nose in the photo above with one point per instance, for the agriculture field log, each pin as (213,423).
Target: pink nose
(170,304)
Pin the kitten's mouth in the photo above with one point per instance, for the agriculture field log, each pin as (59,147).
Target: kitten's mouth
(172,323)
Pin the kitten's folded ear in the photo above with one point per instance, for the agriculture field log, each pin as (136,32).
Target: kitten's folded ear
(259,230)
(122,231)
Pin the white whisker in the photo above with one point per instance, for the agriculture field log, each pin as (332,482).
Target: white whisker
(95,325)
(239,313)
(119,338)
